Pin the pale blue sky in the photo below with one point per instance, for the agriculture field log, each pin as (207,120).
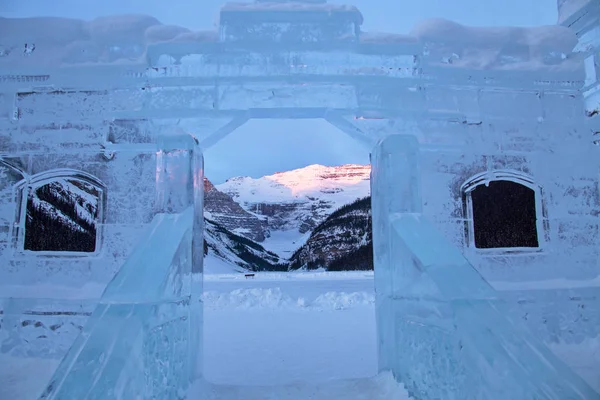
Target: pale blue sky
(264,147)
(381,15)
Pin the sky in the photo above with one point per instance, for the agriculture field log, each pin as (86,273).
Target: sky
(263,147)
(380,15)
(269,146)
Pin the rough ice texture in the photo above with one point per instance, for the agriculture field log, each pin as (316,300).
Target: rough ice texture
(452,311)
(443,329)
(141,326)
(48,299)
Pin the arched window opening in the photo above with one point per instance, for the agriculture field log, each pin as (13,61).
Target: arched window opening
(503,212)
(504,216)
(63,213)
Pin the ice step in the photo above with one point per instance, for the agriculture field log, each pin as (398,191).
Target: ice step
(381,387)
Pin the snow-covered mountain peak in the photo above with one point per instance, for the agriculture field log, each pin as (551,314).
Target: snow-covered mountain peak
(293,203)
(311,182)
(320,178)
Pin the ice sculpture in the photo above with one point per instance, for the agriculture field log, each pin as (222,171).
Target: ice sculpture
(139,336)
(491,108)
(443,330)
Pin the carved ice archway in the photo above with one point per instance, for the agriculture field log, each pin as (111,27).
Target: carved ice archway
(23,189)
(515,177)
(334,118)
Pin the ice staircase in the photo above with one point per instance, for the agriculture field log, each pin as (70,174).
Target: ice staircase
(382,387)
(140,340)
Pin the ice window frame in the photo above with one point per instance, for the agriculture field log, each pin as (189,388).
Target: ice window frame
(26,185)
(517,177)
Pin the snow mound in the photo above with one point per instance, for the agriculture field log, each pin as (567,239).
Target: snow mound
(343,301)
(118,29)
(288,276)
(275,299)
(164,33)
(502,48)
(258,298)
(59,41)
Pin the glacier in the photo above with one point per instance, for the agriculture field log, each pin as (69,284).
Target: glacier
(452,112)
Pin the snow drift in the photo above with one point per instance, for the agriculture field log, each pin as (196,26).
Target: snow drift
(505,48)
(275,299)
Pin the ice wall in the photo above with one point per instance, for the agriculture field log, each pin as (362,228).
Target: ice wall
(291,23)
(145,321)
(443,330)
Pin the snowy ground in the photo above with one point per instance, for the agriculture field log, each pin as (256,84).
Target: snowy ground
(292,336)
(279,336)
(286,336)
(24,378)
(313,329)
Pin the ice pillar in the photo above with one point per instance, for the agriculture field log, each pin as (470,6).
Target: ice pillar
(394,189)
(180,185)
(442,330)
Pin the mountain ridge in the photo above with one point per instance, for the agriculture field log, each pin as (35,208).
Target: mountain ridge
(286,210)
(344,241)
(301,198)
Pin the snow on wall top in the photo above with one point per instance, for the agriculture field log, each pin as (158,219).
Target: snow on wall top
(566,8)
(289,6)
(503,48)
(124,38)
(109,39)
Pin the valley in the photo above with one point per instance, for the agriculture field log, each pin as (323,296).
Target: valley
(289,220)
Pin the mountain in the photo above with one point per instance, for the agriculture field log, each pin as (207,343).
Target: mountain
(284,211)
(300,199)
(61,216)
(343,242)
(221,245)
(223,210)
